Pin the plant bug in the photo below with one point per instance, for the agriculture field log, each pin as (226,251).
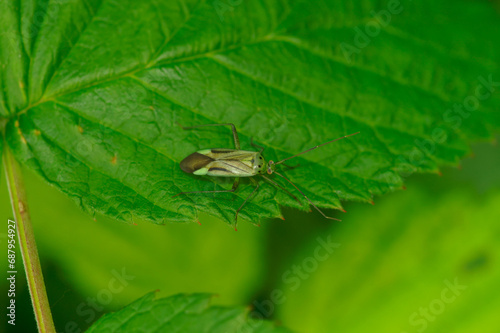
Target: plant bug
(239,163)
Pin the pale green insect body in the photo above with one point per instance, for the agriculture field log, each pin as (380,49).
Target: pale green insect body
(230,163)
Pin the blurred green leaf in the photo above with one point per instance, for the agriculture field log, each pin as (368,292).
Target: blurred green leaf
(397,275)
(93,108)
(181,313)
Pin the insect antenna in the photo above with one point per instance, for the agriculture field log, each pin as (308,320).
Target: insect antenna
(305,196)
(321,145)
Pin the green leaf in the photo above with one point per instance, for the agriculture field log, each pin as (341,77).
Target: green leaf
(403,268)
(180,313)
(94,108)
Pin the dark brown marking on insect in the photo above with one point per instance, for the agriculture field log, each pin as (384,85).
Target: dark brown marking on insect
(220,151)
(194,162)
(252,161)
(218,169)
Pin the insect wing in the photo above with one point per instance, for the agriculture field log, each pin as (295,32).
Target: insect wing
(231,163)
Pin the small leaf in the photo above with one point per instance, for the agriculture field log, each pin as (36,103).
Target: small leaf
(94,108)
(180,313)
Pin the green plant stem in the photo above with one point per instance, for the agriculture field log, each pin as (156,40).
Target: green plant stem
(27,244)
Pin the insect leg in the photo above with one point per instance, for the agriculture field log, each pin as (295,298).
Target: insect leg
(256,145)
(282,188)
(257,185)
(298,189)
(235,186)
(235,134)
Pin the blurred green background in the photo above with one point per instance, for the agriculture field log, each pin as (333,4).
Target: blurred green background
(390,272)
